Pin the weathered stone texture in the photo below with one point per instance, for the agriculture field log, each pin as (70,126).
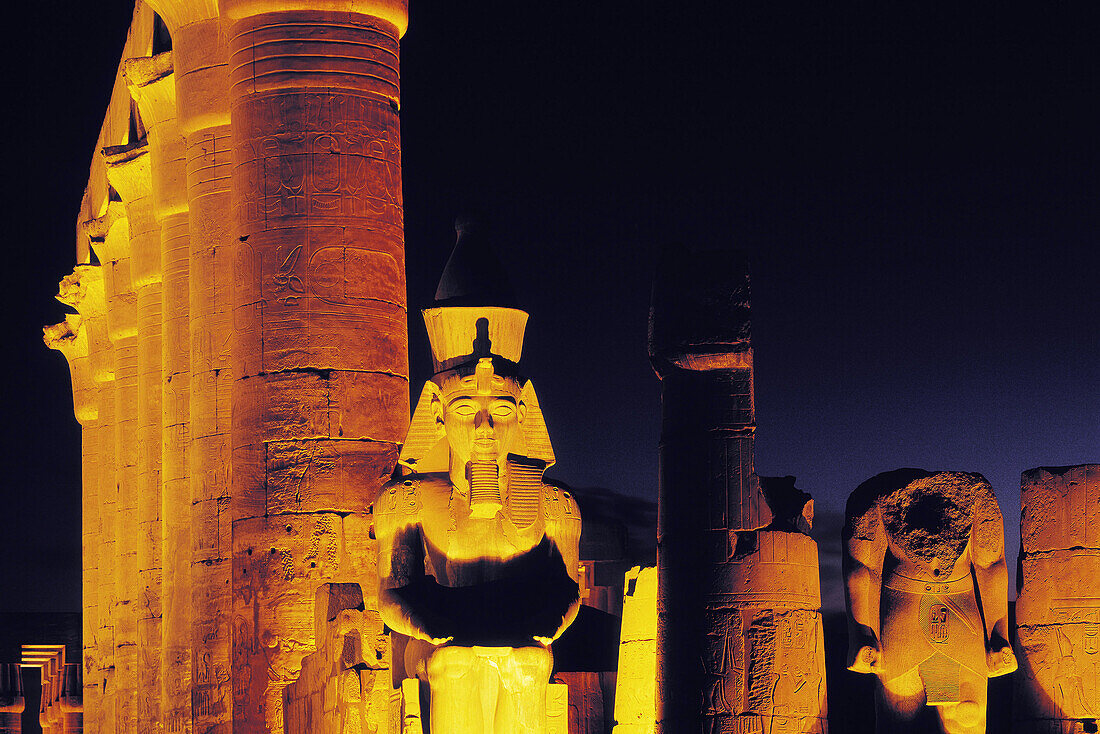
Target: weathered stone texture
(737,575)
(304,385)
(927,596)
(1058,601)
(635,705)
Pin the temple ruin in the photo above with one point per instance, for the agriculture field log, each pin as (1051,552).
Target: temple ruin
(272,544)
(1058,601)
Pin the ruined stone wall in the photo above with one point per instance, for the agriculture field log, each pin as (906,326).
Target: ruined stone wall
(239,355)
(1057,688)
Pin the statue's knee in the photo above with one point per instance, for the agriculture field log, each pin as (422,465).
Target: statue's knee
(450,662)
(533,663)
(968,713)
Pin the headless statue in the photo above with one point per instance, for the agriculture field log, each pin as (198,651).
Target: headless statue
(478,557)
(927,593)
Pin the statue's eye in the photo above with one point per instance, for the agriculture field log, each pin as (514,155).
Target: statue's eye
(503,411)
(464,409)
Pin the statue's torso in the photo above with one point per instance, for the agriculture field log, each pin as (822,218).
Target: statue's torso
(931,622)
(461,550)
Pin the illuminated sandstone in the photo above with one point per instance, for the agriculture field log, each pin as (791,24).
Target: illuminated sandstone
(739,637)
(200,344)
(635,706)
(926,588)
(345,686)
(478,557)
(319,347)
(1058,603)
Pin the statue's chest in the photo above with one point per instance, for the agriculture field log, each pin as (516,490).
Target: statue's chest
(462,551)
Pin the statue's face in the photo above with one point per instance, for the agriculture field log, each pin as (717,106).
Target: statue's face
(482,427)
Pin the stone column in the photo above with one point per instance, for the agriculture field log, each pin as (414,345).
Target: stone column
(199,62)
(82,339)
(635,709)
(738,594)
(12,701)
(152,85)
(71,700)
(129,173)
(110,237)
(1057,687)
(320,392)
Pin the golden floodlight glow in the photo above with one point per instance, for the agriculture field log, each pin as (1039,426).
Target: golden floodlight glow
(1058,605)
(241,303)
(927,593)
(478,557)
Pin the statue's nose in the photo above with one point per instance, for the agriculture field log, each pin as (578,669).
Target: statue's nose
(483,422)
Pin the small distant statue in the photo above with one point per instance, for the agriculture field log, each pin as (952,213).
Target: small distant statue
(478,557)
(927,593)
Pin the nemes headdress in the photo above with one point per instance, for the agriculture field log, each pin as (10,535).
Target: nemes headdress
(473,326)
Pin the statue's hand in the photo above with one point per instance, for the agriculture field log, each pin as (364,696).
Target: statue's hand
(437,641)
(864,655)
(1000,659)
(866,660)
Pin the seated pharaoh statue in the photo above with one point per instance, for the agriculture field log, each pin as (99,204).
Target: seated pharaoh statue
(478,556)
(927,593)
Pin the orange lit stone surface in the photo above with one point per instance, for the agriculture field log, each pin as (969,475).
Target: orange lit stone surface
(739,637)
(1058,603)
(240,303)
(635,706)
(927,594)
(319,347)
(478,557)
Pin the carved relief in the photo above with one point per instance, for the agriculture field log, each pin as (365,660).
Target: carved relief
(1058,603)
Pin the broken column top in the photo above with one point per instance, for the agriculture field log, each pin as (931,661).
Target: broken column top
(699,316)
(1060,508)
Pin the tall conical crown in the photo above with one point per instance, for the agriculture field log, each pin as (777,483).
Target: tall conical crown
(474,314)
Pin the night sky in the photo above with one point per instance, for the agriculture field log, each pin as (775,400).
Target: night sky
(916,186)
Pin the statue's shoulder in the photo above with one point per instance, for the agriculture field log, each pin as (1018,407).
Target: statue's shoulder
(405,496)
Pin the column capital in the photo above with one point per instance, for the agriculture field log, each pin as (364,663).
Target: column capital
(83,290)
(128,170)
(178,14)
(152,86)
(395,12)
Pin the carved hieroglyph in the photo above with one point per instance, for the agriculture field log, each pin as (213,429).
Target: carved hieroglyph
(739,637)
(345,686)
(635,706)
(478,557)
(1058,602)
(927,593)
(240,298)
(319,354)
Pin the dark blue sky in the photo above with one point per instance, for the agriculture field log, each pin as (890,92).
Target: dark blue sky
(916,187)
